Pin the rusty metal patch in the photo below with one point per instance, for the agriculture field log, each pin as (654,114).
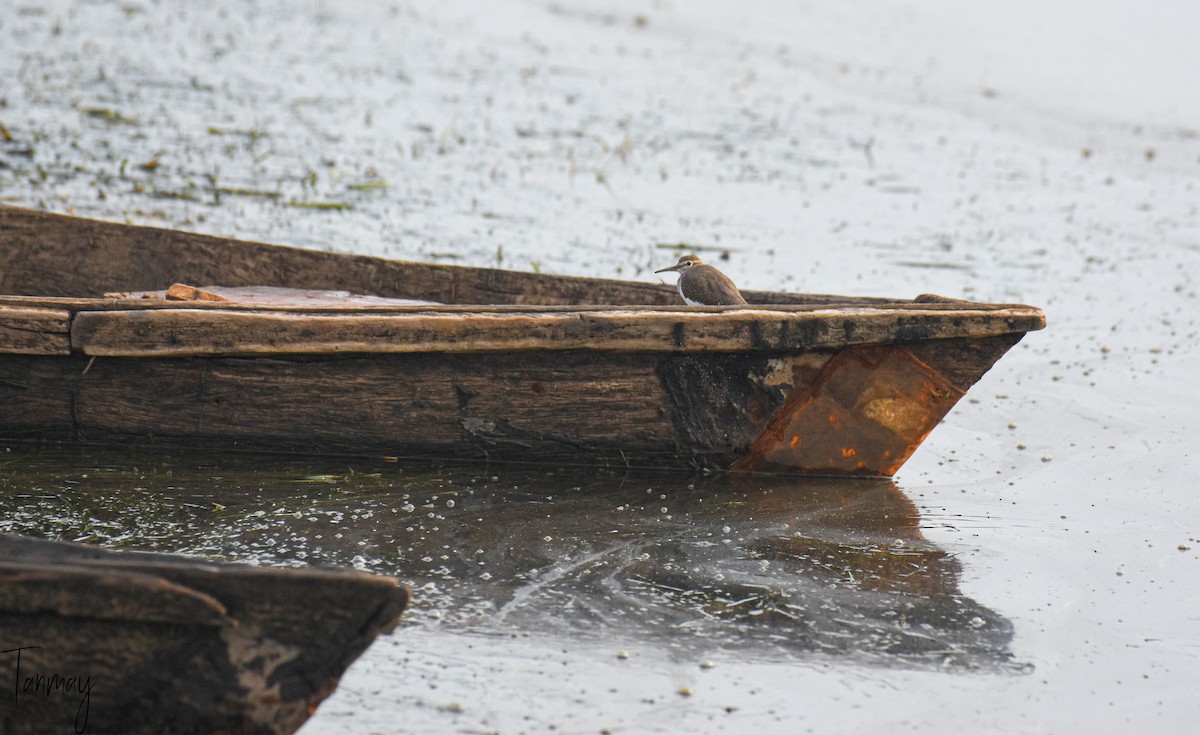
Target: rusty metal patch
(865,414)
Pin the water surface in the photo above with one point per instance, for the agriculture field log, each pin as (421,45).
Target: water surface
(757,566)
(697,570)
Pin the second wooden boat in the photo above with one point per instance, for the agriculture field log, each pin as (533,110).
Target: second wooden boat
(93,640)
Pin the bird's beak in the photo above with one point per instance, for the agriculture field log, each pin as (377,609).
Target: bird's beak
(665,270)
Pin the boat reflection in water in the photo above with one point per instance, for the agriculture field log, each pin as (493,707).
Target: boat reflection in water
(757,567)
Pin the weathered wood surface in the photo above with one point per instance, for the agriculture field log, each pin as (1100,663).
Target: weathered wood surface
(34,331)
(166,644)
(645,408)
(37,394)
(44,254)
(571,407)
(181,332)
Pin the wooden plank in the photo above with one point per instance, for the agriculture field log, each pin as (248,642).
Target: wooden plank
(192,332)
(572,406)
(34,331)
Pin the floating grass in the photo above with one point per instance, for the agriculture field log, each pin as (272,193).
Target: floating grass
(184,195)
(372,185)
(323,479)
(108,115)
(237,191)
(692,247)
(336,206)
(253,134)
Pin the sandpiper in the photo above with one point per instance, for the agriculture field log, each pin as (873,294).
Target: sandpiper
(702,285)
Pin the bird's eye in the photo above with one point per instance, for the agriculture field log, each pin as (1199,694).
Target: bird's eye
(687,262)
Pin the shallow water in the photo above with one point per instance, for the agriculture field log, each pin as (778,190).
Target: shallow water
(883,150)
(692,570)
(728,566)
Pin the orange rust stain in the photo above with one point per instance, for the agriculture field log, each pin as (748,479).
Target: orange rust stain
(882,398)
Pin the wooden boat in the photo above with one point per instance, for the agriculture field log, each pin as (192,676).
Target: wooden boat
(124,642)
(490,363)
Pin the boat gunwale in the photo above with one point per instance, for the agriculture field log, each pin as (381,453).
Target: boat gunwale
(80,304)
(161,328)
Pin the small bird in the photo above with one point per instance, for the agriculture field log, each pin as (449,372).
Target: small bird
(702,285)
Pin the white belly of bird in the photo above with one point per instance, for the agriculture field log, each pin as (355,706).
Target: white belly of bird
(686,300)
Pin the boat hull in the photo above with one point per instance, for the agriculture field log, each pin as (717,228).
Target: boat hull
(859,410)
